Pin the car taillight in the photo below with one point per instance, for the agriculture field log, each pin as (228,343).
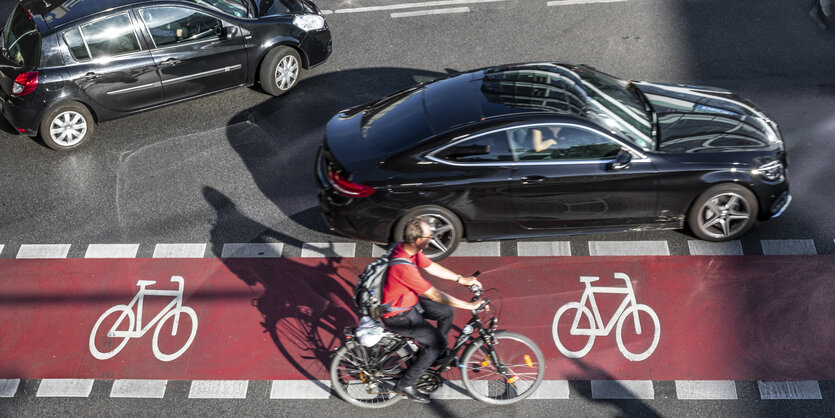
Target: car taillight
(25,83)
(346,187)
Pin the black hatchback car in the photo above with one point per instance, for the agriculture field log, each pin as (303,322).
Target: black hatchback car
(65,65)
(547,149)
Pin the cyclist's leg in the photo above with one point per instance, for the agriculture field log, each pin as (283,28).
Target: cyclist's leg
(412,324)
(438,312)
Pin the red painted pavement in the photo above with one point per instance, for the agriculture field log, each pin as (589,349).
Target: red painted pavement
(729,318)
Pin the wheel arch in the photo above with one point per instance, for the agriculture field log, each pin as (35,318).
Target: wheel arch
(289,42)
(393,226)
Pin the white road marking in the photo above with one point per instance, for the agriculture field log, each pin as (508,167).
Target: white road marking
(622,389)
(551,389)
(432,12)
(300,389)
(478,249)
(1,248)
(801,389)
(628,248)
(179,250)
(8,387)
(65,388)
(111,251)
(698,247)
(452,389)
(329,249)
(539,249)
(252,250)
(413,5)
(789,247)
(218,389)
(570,2)
(706,389)
(138,388)
(43,251)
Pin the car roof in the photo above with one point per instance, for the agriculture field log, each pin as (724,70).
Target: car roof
(57,13)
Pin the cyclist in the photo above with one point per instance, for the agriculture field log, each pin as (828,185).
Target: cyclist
(411,300)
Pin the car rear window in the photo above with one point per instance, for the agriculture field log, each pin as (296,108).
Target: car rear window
(21,39)
(397,122)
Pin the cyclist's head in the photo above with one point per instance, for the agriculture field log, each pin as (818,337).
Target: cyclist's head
(414,230)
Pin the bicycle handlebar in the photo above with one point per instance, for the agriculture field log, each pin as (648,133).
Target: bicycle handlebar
(477,295)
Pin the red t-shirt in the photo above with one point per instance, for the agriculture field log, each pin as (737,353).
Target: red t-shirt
(404,282)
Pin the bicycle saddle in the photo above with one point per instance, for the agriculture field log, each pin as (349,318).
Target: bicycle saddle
(589,279)
(144,283)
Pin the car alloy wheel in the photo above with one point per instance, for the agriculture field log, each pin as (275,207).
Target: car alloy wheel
(445,226)
(68,128)
(723,212)
(286,72)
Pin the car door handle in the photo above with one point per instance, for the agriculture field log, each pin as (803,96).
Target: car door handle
(532,179)
(170,62)
(91,76)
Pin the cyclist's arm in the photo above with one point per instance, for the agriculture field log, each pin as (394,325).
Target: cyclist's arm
(442,272)
(445,299)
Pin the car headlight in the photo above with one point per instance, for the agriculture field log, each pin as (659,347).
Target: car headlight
(309,22)
(772,171)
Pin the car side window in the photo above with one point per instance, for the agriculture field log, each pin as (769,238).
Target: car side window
(108,37)
(75,42)
(488,148)
(173,25)
(561,143)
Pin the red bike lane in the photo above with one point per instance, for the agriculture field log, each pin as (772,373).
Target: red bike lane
(720,317)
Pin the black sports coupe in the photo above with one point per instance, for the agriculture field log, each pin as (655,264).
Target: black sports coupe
(550,149)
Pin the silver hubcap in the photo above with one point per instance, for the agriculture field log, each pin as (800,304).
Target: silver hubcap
(68,128)
(724,215)
(444,234)
(286,72)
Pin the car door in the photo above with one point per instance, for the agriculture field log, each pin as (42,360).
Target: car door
(107,64)
(570,180)
(196,52)
(474,173)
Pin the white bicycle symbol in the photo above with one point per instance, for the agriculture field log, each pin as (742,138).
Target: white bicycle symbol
(596,328)
(135,328)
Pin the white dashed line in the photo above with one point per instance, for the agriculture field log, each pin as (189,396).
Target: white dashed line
(43,251)
(539,249)
(789,247)
(714,248)
(1,248)
(622,389)
(111,251)
(8,387)
(413,5)
(706,389)
(801,389)
(300,389)
(138,388)
(179,250)
(570,2)
(628,248)
(252,250)
(432,12)
(65,388)
(551,389)
(329,249)
(218,389)
(478,249)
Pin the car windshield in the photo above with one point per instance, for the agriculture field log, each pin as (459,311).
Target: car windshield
(618,106)
(21,40)
(280,7)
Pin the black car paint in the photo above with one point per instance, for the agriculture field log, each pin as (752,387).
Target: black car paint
(61,78)
(654,193)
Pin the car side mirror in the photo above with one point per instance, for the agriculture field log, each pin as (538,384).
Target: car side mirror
(622,161)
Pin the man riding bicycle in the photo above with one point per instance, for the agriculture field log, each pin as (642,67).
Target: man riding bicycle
(411,300)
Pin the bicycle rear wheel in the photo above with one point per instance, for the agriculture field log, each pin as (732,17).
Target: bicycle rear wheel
(514,375)
(365,376)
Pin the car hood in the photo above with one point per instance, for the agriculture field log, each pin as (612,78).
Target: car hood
(707,119)
(270,8)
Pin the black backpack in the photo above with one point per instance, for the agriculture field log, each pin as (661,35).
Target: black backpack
(368,292)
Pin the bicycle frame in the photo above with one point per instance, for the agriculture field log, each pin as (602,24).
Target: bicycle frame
(588,296)
(139,301)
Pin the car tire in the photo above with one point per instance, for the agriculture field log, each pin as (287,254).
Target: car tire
(439,219)
(280,70)
(723,212)
(67,126)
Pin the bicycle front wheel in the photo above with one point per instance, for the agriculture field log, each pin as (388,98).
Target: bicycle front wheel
(365,376)
(512,375)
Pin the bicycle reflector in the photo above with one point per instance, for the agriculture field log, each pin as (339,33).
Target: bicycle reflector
(512,380)
(485,362)
(528,360)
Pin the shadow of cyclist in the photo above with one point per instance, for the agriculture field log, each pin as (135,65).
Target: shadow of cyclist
(628,407)
(304,306)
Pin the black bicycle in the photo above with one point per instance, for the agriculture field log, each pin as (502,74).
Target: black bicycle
(497,366)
